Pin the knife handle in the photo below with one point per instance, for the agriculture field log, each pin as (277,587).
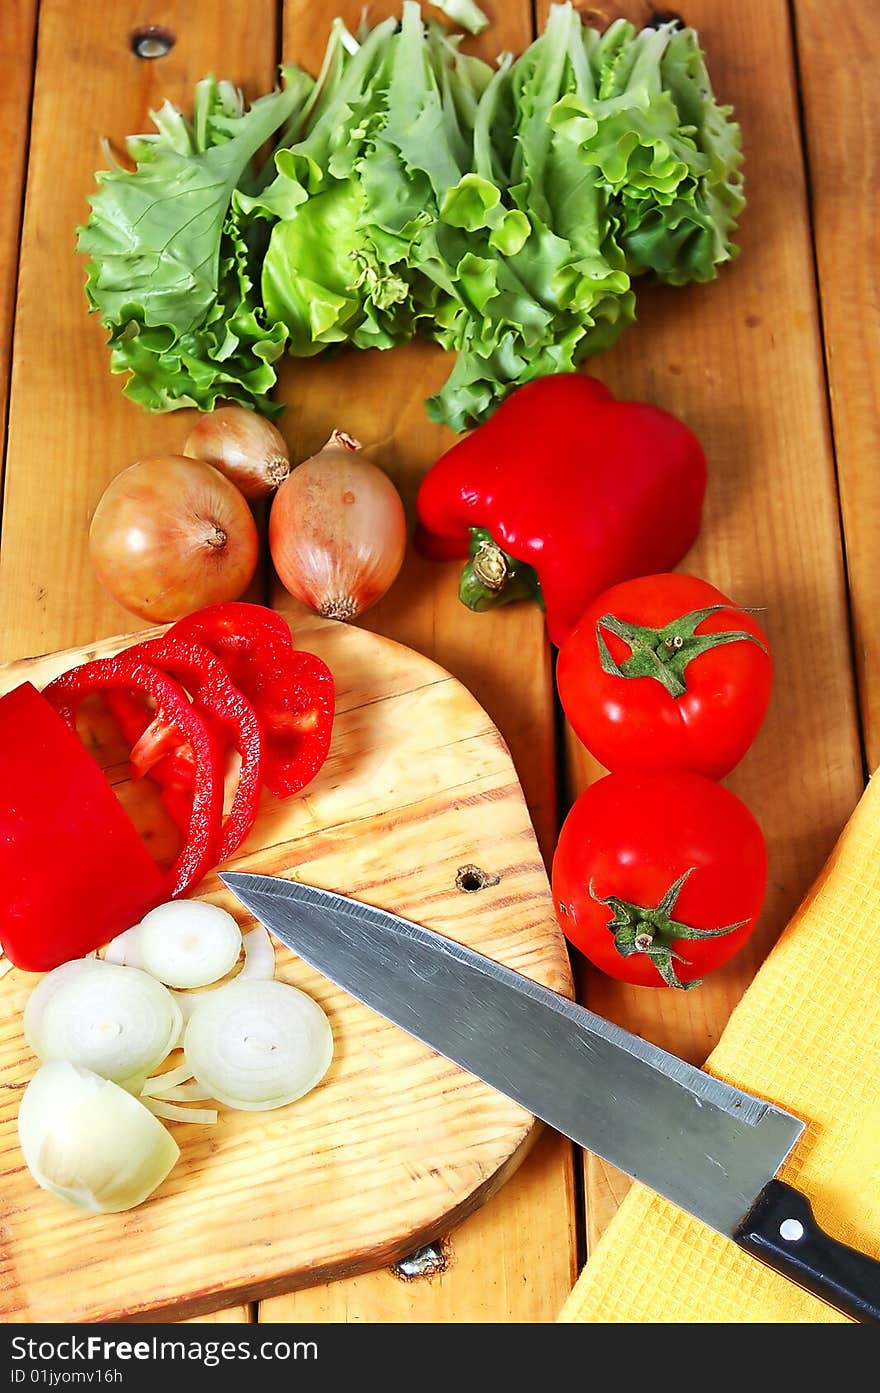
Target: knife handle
(781,1231)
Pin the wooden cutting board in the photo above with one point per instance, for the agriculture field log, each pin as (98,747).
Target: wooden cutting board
(396,1145)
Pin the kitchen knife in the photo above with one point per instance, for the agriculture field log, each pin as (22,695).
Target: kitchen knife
(712,1149)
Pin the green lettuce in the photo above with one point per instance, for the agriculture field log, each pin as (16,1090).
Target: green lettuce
(505,210)
(169,272)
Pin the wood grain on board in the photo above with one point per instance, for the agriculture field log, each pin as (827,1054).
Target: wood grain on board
(838,49)
(515,1260)
(395,1146)
(17,25)
(740,360)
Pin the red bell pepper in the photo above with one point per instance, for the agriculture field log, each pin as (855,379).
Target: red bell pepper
(562,493)
(157,746)
(292,691)
(129,672)
(73,868)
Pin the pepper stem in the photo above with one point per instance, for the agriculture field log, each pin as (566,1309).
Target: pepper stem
(492,577)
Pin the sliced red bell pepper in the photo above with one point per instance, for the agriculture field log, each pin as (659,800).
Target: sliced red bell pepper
(73,868)
(296,710)
(129,672)
(563,492)
(220,700)
(251,640)
(292,691)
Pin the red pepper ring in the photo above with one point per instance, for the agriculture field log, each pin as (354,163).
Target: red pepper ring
(252,641)
(214,692)
(292,690)
(67,692)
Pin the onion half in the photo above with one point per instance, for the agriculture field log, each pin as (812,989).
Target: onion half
(257,1045)
(89,1142)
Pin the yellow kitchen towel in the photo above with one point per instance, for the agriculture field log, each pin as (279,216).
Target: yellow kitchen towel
(805,1035)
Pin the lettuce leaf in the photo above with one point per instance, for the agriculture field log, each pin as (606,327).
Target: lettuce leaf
(169,272)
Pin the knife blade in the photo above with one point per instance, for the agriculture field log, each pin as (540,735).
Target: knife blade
(711,1148)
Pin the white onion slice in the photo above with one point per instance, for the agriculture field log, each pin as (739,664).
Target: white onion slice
(123,949)
(188,943)
(89,1142)
(117,1021)
(6,965)
(258,1045)
(259,955)
(159,1084)
(183,1093)
(160,1108)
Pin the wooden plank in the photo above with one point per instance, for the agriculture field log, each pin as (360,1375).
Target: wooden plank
(395,1145)
(838,51)
(514,1261)
(741,361)
(17,27)
(70,429)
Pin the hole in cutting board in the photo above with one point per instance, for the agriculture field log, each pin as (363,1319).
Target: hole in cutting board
(151,41)
(472,878)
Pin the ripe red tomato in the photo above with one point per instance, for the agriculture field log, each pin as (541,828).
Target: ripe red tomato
(645,682)
(659,876)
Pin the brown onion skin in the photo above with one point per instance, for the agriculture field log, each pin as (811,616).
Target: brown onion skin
(170,535)
(337,531)
(247,448)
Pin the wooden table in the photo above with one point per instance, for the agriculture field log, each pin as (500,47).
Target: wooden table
(774,366)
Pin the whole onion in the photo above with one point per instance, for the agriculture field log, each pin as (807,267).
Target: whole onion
(171,534)
(245,447)
(337,531)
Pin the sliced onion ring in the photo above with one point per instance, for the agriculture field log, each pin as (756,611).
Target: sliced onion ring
(123,949)
(258,1045)
(159,1084)
(160,1108)
(183,1093)
(259,955)
(116,1021)
(188,943)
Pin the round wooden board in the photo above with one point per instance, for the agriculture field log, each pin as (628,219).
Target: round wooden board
(396,1145)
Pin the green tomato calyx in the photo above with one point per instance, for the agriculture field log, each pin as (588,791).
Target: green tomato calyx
(638,929)
(665,653)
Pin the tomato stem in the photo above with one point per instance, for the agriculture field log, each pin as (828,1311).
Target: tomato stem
(652,931)
(665,653)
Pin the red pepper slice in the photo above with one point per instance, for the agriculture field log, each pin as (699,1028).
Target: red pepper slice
(126,672)
(296,711)
(251,640)
(174,772)
(292,691)
(216,695)
(73,868)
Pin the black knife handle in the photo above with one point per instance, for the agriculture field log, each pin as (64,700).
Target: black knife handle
(781,1231)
